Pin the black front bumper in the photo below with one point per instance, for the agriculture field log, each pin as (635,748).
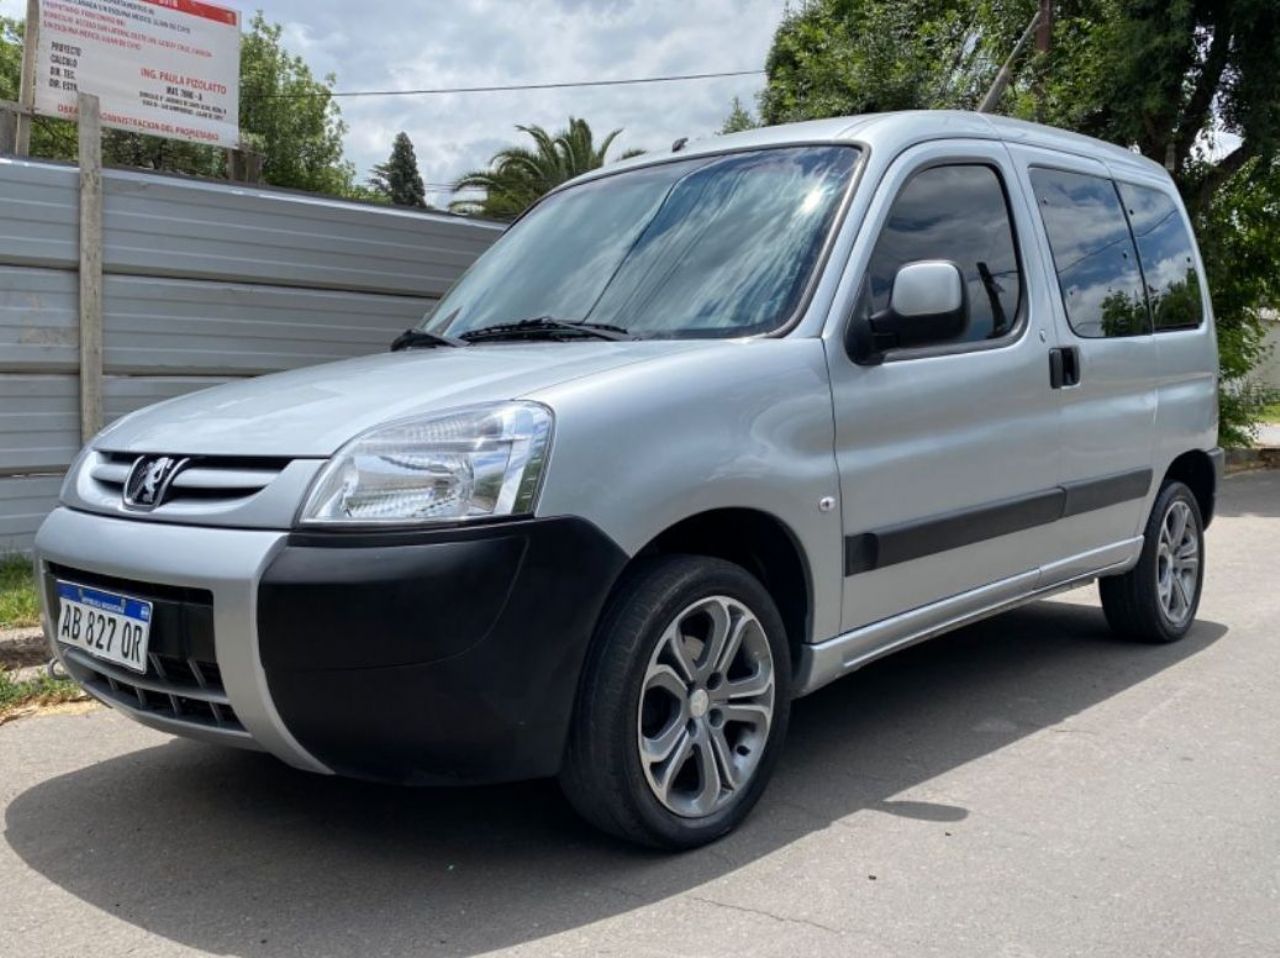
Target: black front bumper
(429,658)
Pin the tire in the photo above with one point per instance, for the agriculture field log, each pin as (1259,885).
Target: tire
(649,682)
(1150,602)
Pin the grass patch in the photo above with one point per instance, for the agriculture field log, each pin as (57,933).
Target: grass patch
(1271,412)
(41,690)
(18,605)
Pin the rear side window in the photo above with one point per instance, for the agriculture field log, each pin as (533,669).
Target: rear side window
(1093,253)
(1165,251)
(957,213)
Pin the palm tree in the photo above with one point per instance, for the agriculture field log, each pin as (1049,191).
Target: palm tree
(517,176)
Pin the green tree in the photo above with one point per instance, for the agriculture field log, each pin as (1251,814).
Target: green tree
(51,138)
(842,57)
(10,57)
(290,116)
(1192,84)
(739,119)
(286,114)
(398,179)
(517,176)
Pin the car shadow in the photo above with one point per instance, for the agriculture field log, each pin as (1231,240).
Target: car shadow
(233,853)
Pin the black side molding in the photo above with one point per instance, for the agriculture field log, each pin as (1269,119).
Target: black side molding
(951,530)
(1091,494)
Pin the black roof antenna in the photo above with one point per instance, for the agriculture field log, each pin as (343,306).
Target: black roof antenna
(678,145)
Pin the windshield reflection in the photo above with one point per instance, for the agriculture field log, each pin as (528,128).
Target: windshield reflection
(710,246)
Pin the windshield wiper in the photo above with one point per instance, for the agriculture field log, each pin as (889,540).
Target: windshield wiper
(420,338)
(545,327)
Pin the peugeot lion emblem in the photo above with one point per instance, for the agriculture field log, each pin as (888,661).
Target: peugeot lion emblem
(149,480)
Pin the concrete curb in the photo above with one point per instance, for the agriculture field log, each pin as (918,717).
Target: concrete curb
(1259,457)
(22,647)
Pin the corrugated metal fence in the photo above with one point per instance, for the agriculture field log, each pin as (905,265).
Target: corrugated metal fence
(202,282)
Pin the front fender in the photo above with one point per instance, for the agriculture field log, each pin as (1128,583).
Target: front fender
(745,425)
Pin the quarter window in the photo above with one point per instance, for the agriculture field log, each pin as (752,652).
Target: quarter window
(1093,253)
(956,213)
(1165,252)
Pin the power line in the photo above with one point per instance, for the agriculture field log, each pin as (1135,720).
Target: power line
(509,87)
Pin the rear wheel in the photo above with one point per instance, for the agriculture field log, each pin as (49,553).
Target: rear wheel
(1156,601)
(684,704)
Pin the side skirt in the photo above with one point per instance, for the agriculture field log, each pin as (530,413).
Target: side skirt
(824,662)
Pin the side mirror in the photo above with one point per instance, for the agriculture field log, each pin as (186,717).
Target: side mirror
(926,306)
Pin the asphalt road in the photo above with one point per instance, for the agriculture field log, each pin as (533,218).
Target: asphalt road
(1027,787)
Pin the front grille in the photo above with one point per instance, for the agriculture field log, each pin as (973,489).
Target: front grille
(182,681)
(206,480)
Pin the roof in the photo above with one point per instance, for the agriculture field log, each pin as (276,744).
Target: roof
(894,132)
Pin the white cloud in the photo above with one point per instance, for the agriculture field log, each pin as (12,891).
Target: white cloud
(484,42)
(393,44)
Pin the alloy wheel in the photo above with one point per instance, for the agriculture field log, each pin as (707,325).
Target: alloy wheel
(706,705)
(1178,562)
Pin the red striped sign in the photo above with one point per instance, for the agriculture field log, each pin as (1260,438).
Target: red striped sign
(197,8)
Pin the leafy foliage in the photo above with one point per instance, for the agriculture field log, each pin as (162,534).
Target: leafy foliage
(739,119)
(286,114)
(841,57)
(289,116)
(517,176)
(1192,84)
(398,179)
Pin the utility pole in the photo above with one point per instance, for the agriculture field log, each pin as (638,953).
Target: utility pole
(27,80)
(1044,28)
(1006,69)
(1044,43)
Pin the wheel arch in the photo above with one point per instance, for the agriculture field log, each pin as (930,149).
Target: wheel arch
(759,542)
(1194,468)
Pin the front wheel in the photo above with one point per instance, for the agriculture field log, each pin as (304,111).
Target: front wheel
(1156,600)
(683,706)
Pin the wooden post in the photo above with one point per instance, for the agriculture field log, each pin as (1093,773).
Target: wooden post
(244,166)
(90,137)
(27,80)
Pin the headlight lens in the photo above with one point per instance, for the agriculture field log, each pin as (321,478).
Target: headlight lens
(468,463)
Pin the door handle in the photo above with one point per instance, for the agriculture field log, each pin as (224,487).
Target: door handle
(1064,366)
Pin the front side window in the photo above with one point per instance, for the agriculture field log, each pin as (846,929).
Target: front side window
(1167,257)
(710,246)
(957,213)
(1093,253)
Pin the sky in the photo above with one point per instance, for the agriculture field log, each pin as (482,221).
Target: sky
(401,45)
(393,44)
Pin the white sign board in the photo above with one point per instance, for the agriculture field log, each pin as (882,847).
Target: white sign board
(166,67)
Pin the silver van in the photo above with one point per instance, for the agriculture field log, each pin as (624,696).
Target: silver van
(703,432)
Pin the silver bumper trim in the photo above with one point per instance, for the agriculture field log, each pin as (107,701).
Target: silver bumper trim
(227,562)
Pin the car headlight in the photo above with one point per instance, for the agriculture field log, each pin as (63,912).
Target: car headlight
(468,463)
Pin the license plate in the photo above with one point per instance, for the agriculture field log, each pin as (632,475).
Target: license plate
(107,626)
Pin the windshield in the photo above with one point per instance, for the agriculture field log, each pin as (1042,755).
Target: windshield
(710,246)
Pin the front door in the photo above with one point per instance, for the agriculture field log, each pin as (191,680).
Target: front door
(949,454)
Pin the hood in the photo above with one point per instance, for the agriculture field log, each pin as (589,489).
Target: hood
(311,412)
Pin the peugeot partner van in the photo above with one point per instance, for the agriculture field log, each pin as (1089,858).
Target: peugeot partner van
(701,433)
